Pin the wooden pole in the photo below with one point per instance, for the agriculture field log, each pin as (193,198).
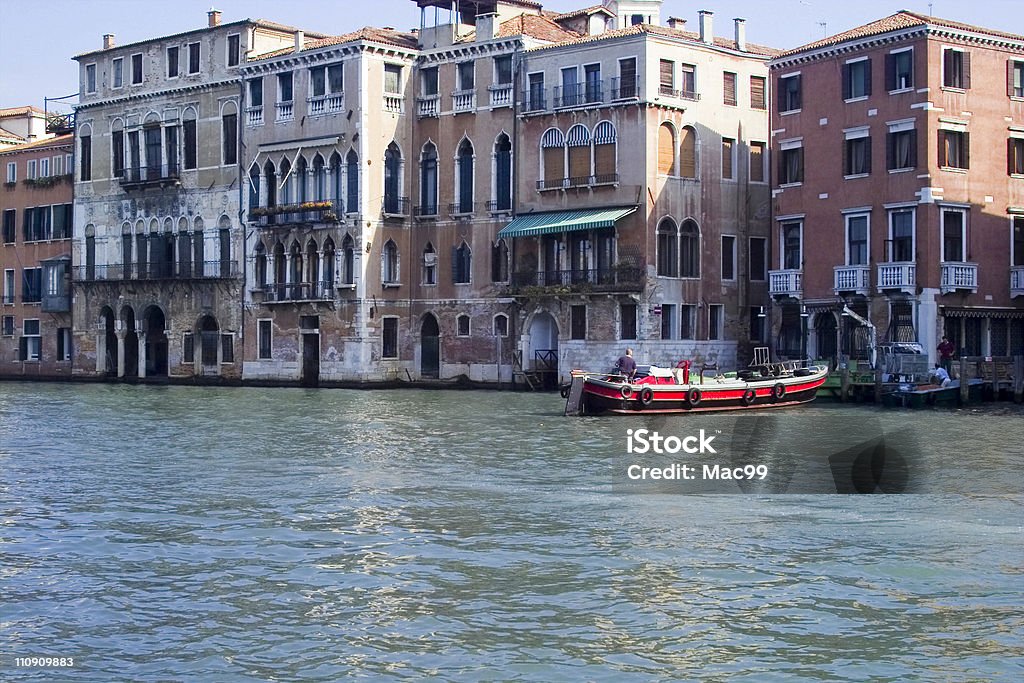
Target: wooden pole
(844,390)
(1018,379)
(878,382)
(963,380)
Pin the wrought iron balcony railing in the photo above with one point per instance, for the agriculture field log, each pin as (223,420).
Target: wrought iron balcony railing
(157,270)
(621,278)
(291,215)
(150,175)
(298,291)
(396,206)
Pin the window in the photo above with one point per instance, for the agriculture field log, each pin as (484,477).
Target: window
(627,78)
(462,264)
(758,98)
(578,322)
(428,180)
(789,93)
(627,321)
(857,79)
(31,171)
(1015,156)
(392,180)
(791,165)
(857,240)
(389,263)
(669,322)
(689,250)
(464,189)
(12,172)
(954,235)
(32,285)
(756,324)
(336,79)
(90,78)
(605,139)
(668,254)
(901,148)
(227,348)
(284,87)
(462,325)
(956,68)
(352,182)
(715,319)
(666,149)
(1015,78)
(499,326)
(428,81)
(58,165)
(503,70)
(570,87)
(229,127)
(392,79)
(578,143)
(729,88)
(503,173)
(390,338)
(193,58)
(857,156)
(318,81)
(792,253)
(688,152)
(728,257)
(8,326)
(62,220)
(667,78)
(466,76)
(899,70)
(31,342)
(10,220)
(727,152)
(901,236)
(553,157)
(592,83)
(189,131)
(188,346)
(9,286)
(137,69)
(256,92)
(172,62)
(954,149)
(264,332)
(757,159)
(117,72)
(688,81)
(234,49)
(429,265)
(687,321)
(1017,239)
(535,93)
(499,262)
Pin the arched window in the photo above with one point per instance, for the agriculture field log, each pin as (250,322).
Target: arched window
(295,266)
(254,188)
(503,173)
(428,180)
(301,175)
(389,263)
(462,325)
(319,179)
(312,263)
(666,149)
(270,174)
(604,153)
(689,249)
(287,182)
(393,180)
(578,142)
(499,262)
(462,264)
(352,182)
(668,249)
(229,133)
(499,325)
(280,268)
(329,267)
(464,188)
(688,153)
(348,261)
(261,264)
(429,265)
(552,158)
(337,188)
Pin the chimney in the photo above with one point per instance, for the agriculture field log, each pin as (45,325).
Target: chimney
(707,35)
(300,38)
(741,34)
(108,41)
(214,17)
(485,26)
(677,23)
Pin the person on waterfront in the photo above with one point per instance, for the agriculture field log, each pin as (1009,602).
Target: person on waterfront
(626,365)
(941,375)
(945,350)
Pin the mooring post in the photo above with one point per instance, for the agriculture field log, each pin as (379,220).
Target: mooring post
(878,383)
(844,389)
(963,380)
(1018,379)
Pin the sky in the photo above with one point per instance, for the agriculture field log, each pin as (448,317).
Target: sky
(38,39)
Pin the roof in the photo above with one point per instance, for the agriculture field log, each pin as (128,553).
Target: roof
(20,111)
(548,222)
(444,4)
(638,29)
(58,141)
(534,26)
(370,33)
(896,22)
(586,11)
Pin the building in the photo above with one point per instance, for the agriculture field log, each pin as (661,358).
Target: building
(899,189)
(35,258)
(19,125)
(158,231)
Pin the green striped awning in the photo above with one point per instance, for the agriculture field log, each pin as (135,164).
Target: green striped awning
(549,222)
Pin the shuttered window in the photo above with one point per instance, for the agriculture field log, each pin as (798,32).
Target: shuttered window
(627,77)
(666,150)
(757,98)
(727,147)
(757,162)
(667,77)
(688,153)
(729,88)
(604,152)
(578,141)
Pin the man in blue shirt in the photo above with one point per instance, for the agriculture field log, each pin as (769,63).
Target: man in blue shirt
(626,365)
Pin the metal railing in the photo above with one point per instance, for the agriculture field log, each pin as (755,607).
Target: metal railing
(461,208)
(682,94)
(1016,281)
(296,215)
(426,210)
(157,270)
(298,291)
(150,174)
(627,277)
(499,206)
(624,89)
(395,206)
(534,100)
(578,181)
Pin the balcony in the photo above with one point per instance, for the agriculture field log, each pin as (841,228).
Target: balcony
(501,95)
(428,107)
(578,95)
(853,280)
(326,104)
(147,176)
(899,276)
(426,211)
(668,91)
(394,104)
(958,275)
(621,278)
(1016,281)
(534,101)
(465,208)
(294,215)
(56,302)
(161,270)
(783,283)
(395,207)
(624,89)
(285,111)
(579,181)
(500,206)
(298,291)
(463,101)
(254,116)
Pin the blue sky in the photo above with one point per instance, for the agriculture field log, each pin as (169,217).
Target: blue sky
(38,39)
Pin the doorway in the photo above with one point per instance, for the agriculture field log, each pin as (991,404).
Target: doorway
(310,359)
(430,348)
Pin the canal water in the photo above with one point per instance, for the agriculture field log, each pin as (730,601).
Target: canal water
(179,533)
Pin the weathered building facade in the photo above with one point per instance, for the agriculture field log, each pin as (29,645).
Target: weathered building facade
(158,235)
(35,258)
(899,189)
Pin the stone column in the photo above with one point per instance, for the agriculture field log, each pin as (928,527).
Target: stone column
(101,351)
(120,351)
(142,353)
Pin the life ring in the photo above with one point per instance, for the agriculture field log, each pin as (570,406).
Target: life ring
(779,391)
(564,391)
(748,397)
(646,396)
(693,397)
(626,391)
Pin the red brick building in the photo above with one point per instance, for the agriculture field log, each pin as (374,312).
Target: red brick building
(898,154)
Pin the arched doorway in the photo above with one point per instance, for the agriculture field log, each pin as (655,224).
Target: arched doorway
(430,348)
(826,338)
(209,341)
(156,342)
(542,351)
(131,343)
(107,362)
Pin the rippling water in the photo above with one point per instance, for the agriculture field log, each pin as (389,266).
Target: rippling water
(173,533)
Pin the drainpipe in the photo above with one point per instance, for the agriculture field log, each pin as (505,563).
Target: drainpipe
(242,212)
(516,85)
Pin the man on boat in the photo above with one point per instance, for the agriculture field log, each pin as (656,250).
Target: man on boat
(626,365)
(941,376)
